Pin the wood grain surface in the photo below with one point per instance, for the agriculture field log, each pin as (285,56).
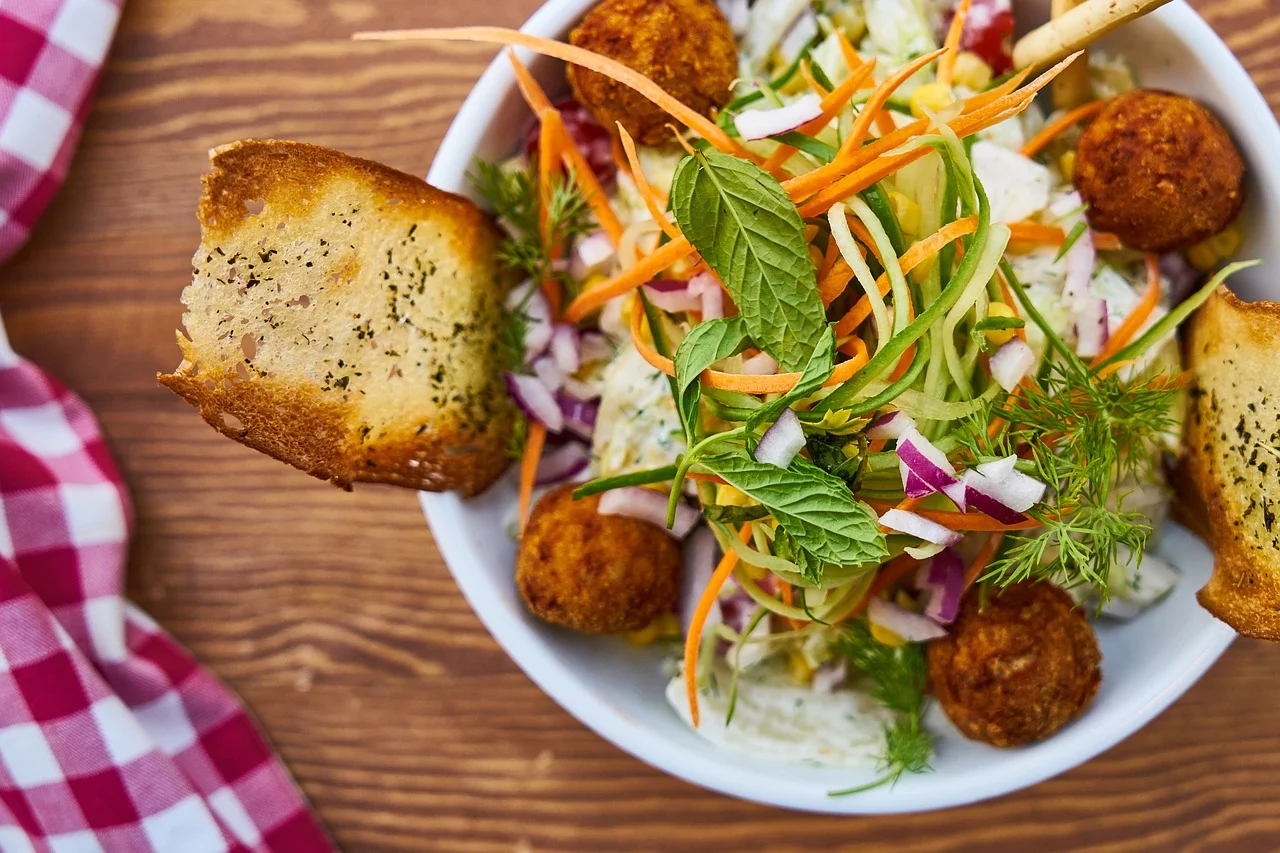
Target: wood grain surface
(332,613)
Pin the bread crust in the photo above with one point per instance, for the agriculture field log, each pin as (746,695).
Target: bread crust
(343,317)
(1233,456)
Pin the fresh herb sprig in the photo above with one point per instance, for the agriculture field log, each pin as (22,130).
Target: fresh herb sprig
(897,679)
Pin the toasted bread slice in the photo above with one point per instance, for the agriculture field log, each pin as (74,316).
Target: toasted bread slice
(344,318)
(1233,456)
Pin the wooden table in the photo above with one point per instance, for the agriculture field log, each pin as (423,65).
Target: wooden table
(333,615)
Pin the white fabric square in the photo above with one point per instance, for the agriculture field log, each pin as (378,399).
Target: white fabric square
(14,840)
(124,738)
(84,28)
(227,806)
(166,721)
(27,757)
(94,513)
(6,540)
(105,620)
(34,129)
(186,826)
(42,430)
(83,841)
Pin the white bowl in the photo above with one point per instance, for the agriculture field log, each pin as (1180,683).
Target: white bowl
(617,690)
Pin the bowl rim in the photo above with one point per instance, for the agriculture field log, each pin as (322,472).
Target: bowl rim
(446,516)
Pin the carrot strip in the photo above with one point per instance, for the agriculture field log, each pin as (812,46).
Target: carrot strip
(1034,232)
(585,178)
(773,163)
(1105,241)
(643,185)
(864,237)
(610,68)
(837,98)
(829,259)
(548,156)
(529,88)
(960,521)
(1061,125)
(947,64)
(529,467)
(889,574)
(693,640)
(593,298)
(851,59)
(807,73)
(885,123)
(911,258)
(983,559)
(879,97)
(1139,314)
(789,600)
(835,281)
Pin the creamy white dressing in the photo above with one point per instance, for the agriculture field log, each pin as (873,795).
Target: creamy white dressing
(637,426)
(1017,186)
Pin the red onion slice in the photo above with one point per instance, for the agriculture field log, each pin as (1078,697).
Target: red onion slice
(891,425)
(548,373)
(565,462)
(761,124)
(708,290)
(999,469)
(925,460)
(761,364)
(651,506)
(673,301)
(535,400)
(566,347)
(592,255)
(700,552)
(922,528)
(911,627)
(782,441)
(946,586)
(595,347)
(1092,326)
(1010,363)
(1015,490)
(537,333)
(579,415)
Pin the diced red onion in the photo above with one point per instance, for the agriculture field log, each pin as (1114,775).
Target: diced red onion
(651,506)
(566,347)
(1182,277)
(831,675)
(988,496)
(913,485)
(1079,263)
(535,400)
(673,301)
(1011,362)
(946,586)
(956,494)
(595,347)
(593,254)
(891,425)
(1092,326)
(589,135)
(917,525)
(1015,490)
(548,373)
(924,459)
(999,469)
(700,552)
(565,462)
(668,285)
(537,311)
(761,124)
(911,627)
(761,364)
(736,610)
(579,415)
(579,390)
(782,441)
(705,287)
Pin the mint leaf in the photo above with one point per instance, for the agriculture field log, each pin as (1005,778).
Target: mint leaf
(816,372)
(786,547)
(814,507)
(704,346)
(742,223)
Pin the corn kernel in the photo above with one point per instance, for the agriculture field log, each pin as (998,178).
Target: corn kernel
(1226,242)
(930,96)
(1202,256)
(1067,165)
(664,627)
(727,495)
(907,212)
(971,72)
(999,337)
(798,668)
(885,637)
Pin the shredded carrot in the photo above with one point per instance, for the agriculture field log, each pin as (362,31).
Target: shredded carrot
(693,640)
(1034,232)
(778,383)
(529,467)
(627,281)
(889,574)
(610,68)
(835,281)
(807,73)
(548,157)
(864,237)
(983,559)
(1104,241)
(529,88)
(838,97)
(879,97)
(1061,125)
(583,175)
(851,59)
(643,186)
(947,64)
(1129,328)
(788,599)
(911,258)
(885,123)
(773,163)
(959,521)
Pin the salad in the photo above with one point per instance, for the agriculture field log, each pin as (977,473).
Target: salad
(828,298)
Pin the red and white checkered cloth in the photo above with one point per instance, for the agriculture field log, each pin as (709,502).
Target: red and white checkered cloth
(112,738)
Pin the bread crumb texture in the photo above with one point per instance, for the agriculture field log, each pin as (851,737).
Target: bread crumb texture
(344,317)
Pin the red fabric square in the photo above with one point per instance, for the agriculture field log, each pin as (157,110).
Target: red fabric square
(29,210)
(172,661)
(300,832)
(235,747)
(104,799)
(51,688)
(22,46)
(54,575)
(22,471)
(20,809)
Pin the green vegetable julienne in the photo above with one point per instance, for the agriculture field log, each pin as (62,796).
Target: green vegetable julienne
(704,346)
(816,372)
(742,223)
(816,508)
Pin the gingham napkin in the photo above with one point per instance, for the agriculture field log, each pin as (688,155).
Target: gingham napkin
(112,738)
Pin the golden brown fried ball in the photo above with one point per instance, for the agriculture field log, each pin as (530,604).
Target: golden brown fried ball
(599,574)
(685,46)
(1019,669)
(1159,170)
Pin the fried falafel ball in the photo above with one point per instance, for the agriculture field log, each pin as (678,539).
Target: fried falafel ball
(598,574)
(685,46)
(1159,171)
(1017,670)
